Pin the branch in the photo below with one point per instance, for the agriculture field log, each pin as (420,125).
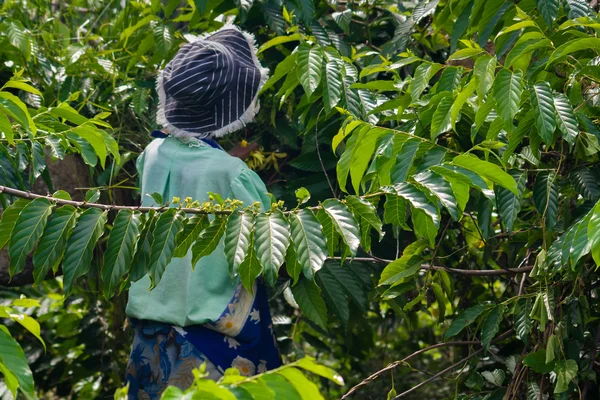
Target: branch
(421,351)
(470,272)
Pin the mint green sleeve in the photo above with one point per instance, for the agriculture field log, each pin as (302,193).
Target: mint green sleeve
(249,188)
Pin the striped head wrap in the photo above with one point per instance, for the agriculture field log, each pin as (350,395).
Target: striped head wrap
(210,88)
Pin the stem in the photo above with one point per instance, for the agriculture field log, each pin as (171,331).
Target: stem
(472,272)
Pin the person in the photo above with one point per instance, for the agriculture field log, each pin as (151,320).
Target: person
(208,90)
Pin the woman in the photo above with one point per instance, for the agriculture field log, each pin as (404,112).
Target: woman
(191,317)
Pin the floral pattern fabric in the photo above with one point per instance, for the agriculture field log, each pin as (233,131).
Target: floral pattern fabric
(164,355)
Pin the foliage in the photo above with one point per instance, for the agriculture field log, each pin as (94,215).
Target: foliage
(463,137)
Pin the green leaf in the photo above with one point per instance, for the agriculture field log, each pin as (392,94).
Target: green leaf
(30,324)
(196,224)
(336,298)
(572,46)
(332,84)
(310,60)
(282,388)
(424,226)
(237,238)
(483,74)
(461,99)
(52,245)
(167,227)
(542,103)
(508,203)
(309,244)
(80,246)
(91,135)
(23,86)
(593,233)
(361,155)
(394,211)
(250,267)
(6,127)
(565,116)
(465,53)
(310,301)
(495,377)
(404,267)
(441,189)
(329,232)
(545,197)
(120,250)
(522,321)
(307,389)
(279,40)
(537,362)
(423,74)
(507,92)
(272,238)
(9,219)
(351,283)
(548,9)
(464,319)
(365,210)
(282,69)
(442,118)
(449,80)
(209,239)
(344,223)
(404,160)
(13,106)
(487,170)
(14,362)
(309,364)
(566,371)
(491,326)
(92,195)
(27,230)
(418,200)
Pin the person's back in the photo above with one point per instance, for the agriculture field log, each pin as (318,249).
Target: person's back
(201,314)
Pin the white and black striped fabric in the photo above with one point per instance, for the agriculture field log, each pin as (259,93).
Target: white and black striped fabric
(210,87)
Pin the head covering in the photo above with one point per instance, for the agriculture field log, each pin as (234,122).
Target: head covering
(210,88)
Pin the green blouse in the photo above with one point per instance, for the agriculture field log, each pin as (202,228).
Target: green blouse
(172,168)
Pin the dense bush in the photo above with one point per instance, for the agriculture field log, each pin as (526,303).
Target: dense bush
(443,156)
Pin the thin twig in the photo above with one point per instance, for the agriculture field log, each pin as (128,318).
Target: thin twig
(395,364)
(472,272)
(319,154)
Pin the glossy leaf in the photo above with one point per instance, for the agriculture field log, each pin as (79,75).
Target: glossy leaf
(9,219)
(344,223)
(309,244)
(14,362)
(507,92)
(120,250)
(465,319)
(237,239)
(167,227)
(272,238)
(545,197)
(565,117)
(209,239)
(250,267)
(308,297)
(80,246)
(28,229)
(542,102)
(487,170)
(51,248)
(310,60)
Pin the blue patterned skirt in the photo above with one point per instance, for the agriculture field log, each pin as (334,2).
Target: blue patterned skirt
(164,355)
